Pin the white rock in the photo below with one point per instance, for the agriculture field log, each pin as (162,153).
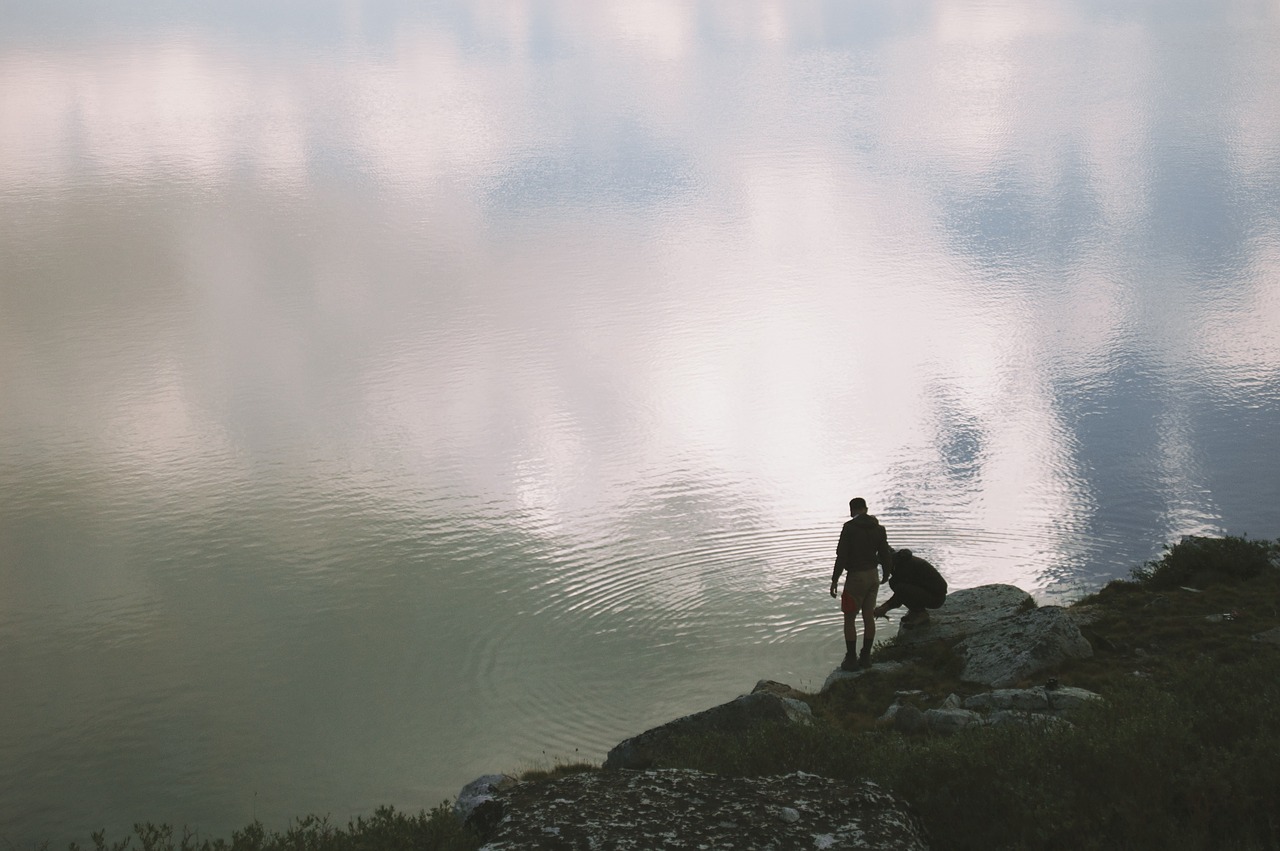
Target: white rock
(1021,646)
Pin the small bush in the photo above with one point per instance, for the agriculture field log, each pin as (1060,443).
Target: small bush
(1199,562)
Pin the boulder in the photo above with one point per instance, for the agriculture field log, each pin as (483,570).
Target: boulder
(780,689)
(905,718)
(1020,646)
(968,611)
(480,791)
(679,808)
(738,715)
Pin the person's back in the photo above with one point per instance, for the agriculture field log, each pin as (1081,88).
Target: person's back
(912,569)
(863,544)
(916,584)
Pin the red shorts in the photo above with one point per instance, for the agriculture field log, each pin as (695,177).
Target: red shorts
(859,591)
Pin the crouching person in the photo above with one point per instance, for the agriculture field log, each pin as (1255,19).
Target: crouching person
(917,585)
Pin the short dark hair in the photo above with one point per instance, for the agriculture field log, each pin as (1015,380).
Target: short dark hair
(857,504)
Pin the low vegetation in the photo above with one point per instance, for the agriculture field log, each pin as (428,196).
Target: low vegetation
(1185,753)
(437,830)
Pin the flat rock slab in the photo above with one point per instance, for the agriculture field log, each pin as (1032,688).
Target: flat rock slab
(683,809)
(1058,701)
(967,611)
(738,715)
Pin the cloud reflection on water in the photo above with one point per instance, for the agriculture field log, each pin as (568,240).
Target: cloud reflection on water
(930,194)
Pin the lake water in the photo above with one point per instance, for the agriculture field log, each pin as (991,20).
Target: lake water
(392,393)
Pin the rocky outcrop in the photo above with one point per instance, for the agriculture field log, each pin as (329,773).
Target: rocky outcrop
(480,791)
(1041,706)
(1002,639)
(968,611)
(738,715)
(1020,646)
(684,809)
(998,632)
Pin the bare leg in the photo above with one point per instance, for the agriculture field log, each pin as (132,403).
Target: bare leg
(868,627)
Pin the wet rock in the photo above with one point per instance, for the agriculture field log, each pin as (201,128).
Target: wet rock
(738,715)
(682,809)
(1017,647)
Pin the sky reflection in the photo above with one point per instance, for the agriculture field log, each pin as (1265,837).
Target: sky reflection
(931,232)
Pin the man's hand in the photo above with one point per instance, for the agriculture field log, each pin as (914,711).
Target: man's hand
(880,612)
(833,587)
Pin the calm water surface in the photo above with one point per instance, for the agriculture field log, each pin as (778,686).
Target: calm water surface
(392,393)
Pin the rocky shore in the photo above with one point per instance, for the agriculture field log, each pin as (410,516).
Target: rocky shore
(1141,716)
(1001,639)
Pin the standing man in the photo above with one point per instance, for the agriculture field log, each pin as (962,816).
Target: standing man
(917,585)
(862,543)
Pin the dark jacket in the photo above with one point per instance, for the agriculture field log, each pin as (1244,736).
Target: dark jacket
(863,542)
(912,570)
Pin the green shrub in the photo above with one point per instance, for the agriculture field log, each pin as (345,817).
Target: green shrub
(1199,562)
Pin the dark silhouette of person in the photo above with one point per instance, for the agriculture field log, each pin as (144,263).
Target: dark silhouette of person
(863,543)
(917,585)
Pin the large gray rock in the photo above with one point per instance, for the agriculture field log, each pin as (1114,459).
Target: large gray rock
(1017,647)
(480,791)
(738,715)
(967,611)
(679,809)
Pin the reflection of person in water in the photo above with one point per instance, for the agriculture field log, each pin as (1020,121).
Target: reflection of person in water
(862,543)
(917,585)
